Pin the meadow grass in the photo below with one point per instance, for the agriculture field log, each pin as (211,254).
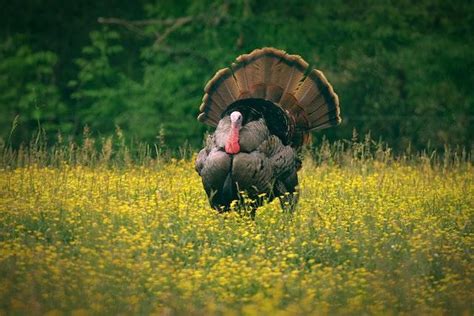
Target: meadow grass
(86,231)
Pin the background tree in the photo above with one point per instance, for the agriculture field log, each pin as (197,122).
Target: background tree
(402,70)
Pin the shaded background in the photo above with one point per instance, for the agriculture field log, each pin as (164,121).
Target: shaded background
(403,71)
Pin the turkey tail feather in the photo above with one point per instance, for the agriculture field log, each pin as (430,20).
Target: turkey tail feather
(273,75)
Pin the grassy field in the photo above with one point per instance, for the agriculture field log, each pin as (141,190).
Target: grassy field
(370,236)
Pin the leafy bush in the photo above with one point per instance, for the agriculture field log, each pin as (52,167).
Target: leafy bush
(28,92)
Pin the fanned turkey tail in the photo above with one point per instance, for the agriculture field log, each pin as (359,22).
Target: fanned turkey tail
(304,95)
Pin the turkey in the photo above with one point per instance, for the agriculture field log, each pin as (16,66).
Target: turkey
(263,108)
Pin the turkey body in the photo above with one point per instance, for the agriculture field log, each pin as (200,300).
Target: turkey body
(263,108)
(263,164)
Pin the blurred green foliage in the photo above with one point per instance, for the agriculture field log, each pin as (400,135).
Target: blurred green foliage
(403,70)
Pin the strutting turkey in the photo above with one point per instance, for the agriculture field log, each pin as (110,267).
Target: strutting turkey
(264,107)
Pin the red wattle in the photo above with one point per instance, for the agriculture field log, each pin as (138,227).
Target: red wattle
(232,146)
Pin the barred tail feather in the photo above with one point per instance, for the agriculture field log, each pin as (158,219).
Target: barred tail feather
(273,75)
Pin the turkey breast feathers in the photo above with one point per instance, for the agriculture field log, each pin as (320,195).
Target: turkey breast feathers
(264,164)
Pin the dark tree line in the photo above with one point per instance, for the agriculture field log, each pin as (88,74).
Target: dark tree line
(403,70)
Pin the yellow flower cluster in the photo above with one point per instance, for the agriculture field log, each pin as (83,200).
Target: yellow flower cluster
(391,239)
